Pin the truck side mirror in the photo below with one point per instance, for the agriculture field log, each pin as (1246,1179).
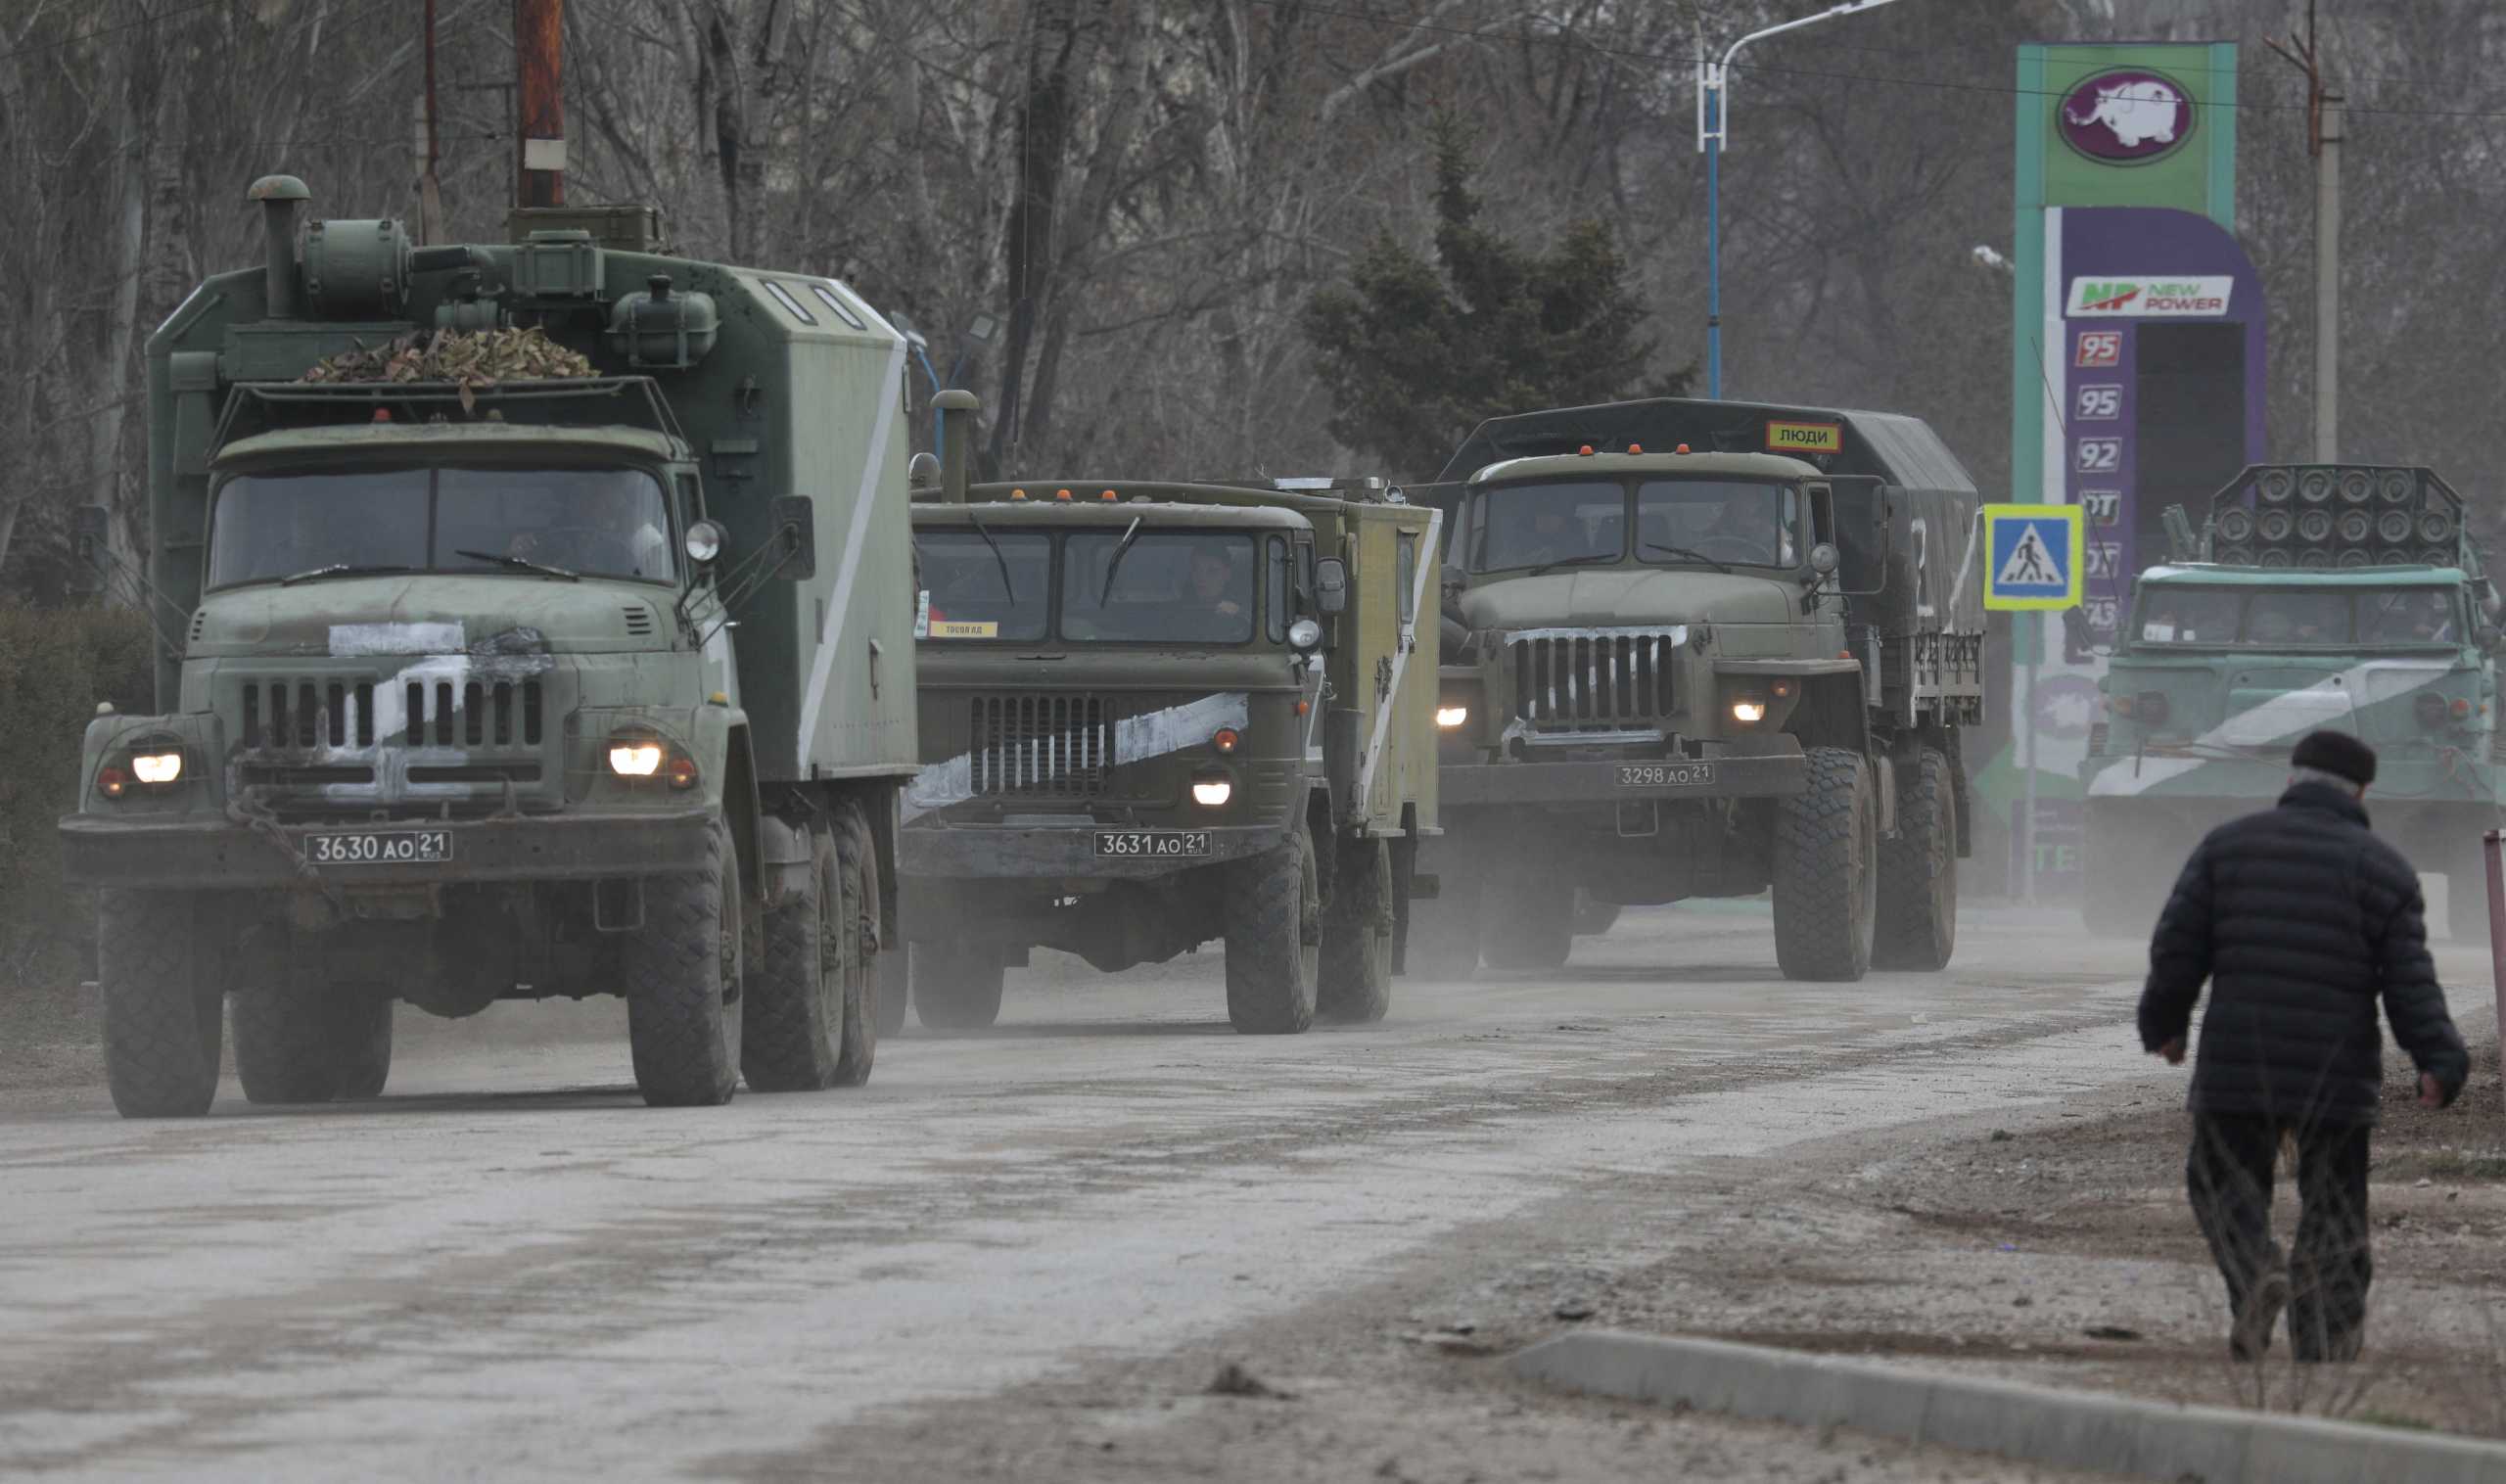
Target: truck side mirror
(1331,587)
(795,532)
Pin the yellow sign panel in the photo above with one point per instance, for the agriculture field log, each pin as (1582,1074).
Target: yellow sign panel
(964,628)
(1805,438)
(2032,557)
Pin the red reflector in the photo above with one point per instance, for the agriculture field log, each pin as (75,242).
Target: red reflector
(382,414)
(2462,708)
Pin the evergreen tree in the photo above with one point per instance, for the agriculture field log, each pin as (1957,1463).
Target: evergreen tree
(1416,353)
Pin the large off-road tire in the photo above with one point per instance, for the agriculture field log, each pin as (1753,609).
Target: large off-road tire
(302,1042)
(1825,877)
(1919,871)
(857,882)
(163,980)
(792,1005)
(1528,921)
(1273,940)
(1594,918)
(894,988)
(1444,929)
(957,984)
(683,974)
(1353,981)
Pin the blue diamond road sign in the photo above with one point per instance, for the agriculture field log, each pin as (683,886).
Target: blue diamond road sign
(2034,557)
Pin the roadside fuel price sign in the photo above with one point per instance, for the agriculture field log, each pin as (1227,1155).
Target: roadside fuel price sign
(2034,557)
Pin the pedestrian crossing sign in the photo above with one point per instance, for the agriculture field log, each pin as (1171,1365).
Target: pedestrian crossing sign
(2032,557)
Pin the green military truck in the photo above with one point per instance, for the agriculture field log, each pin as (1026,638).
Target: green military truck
(1158,713)
(546,630)
(2319,595)
(1698,649)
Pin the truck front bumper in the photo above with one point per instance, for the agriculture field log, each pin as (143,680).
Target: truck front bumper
(1065,852)
(217,853)
(1775,773)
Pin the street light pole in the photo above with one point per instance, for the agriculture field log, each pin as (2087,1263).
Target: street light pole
(1713,127)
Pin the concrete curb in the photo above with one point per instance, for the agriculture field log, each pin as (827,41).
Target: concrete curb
(2089,1430)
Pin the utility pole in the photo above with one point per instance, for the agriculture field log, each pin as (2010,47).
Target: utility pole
(2323,142)
(430,188)
(540,47)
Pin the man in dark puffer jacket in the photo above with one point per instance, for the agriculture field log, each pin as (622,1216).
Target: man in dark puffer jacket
(2301,919)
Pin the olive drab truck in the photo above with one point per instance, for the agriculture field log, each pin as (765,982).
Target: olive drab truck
(545,630)
(2313,596)
(1702,649)
(1158,713)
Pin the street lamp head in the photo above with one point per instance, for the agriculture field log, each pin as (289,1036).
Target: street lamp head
(983,327)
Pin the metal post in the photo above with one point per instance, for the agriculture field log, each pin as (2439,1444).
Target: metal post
(2327,285)
(430,186)
(1714,243)
(2033,637)
(2491,851)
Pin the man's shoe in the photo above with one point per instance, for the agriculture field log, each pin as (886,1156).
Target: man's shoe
(2249,1336)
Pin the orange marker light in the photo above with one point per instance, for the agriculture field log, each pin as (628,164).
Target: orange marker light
(1107,495)
(1302,708)
(1017,494)
(113,782)
(1682,448)
(2462,708)
(1224,739)
(1061,495)
(682,771)
(382,414)
(1586,451)
(1636,447)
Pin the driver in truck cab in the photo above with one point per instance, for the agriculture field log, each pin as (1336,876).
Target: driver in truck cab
(1214,579)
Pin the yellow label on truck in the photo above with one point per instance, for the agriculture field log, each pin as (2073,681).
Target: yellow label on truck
(964,628)
(1805,438)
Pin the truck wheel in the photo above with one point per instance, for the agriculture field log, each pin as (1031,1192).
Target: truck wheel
(1354,985)
(1826,887)
(956,985)
(1919,872)
(895,986)
(683,982)
(163,990)
(1273,946)
(1594,918)
(857,863)
(1444,929)
(308,1042)
(792,1013)
(1530,922)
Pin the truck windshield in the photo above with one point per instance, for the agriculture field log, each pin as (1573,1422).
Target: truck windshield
(1182,587)
(1749,522)
(2354,618)
(1578,521)
(609,523)
(977,594)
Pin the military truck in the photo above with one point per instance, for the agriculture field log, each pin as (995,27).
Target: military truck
(1158,713)
(494,682)
(2315,595)
(1698,649)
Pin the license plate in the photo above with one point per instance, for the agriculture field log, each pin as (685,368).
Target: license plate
(1152,844)
(379,846)
(1665,775)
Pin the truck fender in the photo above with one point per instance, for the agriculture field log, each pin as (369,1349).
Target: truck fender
(721,744)
(783,850)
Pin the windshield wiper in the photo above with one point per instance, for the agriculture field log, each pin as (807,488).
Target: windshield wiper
(1007,585)
(341,569)
(1683,551)
(1586,560)
(519,564)
(1120,551)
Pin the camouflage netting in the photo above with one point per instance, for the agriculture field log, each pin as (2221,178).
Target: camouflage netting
(471,360)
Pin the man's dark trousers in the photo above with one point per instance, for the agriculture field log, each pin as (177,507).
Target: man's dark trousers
(2229,1175)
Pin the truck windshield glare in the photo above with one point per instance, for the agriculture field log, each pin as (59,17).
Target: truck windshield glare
(1174,588)
(1584,522)
(2228,617)
(596,521)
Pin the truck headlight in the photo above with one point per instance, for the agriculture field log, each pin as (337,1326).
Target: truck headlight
(1305,634)
(1212,793)
(635,757)
(157,767)
(1450,717)
(1748,712)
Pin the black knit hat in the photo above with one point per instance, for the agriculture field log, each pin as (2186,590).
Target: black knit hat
(2336,752)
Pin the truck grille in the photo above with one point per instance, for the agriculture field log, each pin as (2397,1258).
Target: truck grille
(340,712)
(1606,676)
(1043,746)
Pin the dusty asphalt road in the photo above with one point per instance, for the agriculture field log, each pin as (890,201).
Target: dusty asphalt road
(1016,1254)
